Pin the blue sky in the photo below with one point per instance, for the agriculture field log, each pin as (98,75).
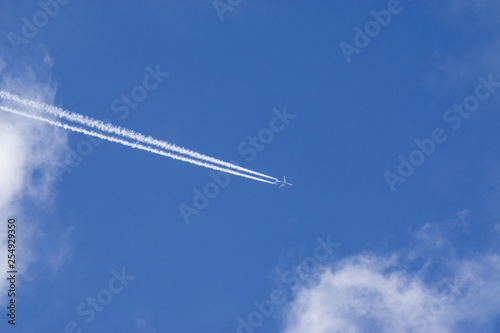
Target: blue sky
(343,250)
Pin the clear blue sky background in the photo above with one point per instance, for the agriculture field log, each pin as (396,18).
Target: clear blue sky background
(353,121)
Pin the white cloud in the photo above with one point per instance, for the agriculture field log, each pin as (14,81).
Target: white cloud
(391,293)
(479,18)
(30,155)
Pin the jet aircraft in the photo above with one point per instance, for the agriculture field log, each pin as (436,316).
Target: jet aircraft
(282,182)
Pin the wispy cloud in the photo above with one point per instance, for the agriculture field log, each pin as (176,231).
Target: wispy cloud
(479,46)
(424,288)
(144,325)
(30,155)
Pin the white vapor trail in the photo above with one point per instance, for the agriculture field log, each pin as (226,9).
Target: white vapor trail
(120,131)
(131,144)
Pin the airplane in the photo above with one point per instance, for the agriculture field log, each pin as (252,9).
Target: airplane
(283,183)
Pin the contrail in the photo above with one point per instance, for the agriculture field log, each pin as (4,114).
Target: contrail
(123,132)
(131,144)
